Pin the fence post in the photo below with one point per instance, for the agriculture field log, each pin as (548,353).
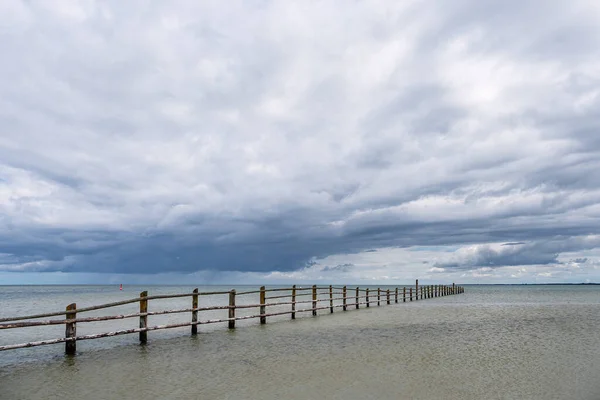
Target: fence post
(330,299)
(453,288)
(143,318)
(263,318)
(404,294)
(396,296)
(357,297)
(378,296)
(387,295)
(314,300)
(232,309)
(417,290)
(71,330)
(294,302)
(344,298)
(410,289)
(430,291)
(367,296)
(194,313)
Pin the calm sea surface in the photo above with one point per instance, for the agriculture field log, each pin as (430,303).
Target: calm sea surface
(492,342)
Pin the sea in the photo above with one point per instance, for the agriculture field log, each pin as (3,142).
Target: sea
(491,342)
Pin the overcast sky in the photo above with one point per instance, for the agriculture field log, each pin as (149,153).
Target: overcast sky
(282,141)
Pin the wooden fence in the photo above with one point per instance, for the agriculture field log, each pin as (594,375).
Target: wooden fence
(360,297)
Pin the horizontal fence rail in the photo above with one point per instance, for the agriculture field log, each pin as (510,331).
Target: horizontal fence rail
(350,297)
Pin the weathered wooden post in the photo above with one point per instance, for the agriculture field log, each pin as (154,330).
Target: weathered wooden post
(435,290)
(417,290)
(71,330)
(294,302)
(143,318)
(430,291)
(194,311)
(388,296)
(232,309)
(396,296)
(378,296)
(344,298)
(404,294)
(367,296)
(410,289)
(453,288)
(331,299)
(263,318)
(357,290)
(314,300)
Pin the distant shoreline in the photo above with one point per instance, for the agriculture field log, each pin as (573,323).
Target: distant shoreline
(287,284)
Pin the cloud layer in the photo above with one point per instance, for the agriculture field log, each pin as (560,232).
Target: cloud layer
(148,138)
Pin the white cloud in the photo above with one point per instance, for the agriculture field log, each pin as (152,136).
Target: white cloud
(201,137)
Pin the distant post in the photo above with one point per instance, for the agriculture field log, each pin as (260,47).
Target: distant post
(194,311)
(417,290)
(331,299)
(367,296)
(387,294)
(294,302)
(71,330)
(314,300)
(453,288)
(357,290)
(263,318)
(396,296)
(344,298)
(143,318)
(410,290)
(232,309)
(404,294)
(378,296)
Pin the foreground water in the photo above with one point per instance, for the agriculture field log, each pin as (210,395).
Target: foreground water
(492,342)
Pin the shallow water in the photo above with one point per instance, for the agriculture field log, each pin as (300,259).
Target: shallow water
(492,342)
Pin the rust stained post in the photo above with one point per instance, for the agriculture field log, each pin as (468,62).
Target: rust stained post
(396,296)
(330,299)
(143,318)
(314,300)
(232,309)
(367,296)
(357,290)
(71,330)
(378,296)
(195,312)
(344,298)
(416,290)
(263,318)
(294,302)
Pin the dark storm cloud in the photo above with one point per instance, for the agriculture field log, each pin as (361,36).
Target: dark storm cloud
(237,138)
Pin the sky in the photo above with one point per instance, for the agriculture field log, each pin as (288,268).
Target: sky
(296,141)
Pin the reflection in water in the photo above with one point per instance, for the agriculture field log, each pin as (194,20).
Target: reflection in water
(489,343)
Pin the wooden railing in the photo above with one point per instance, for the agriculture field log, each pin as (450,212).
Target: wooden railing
(359,296)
